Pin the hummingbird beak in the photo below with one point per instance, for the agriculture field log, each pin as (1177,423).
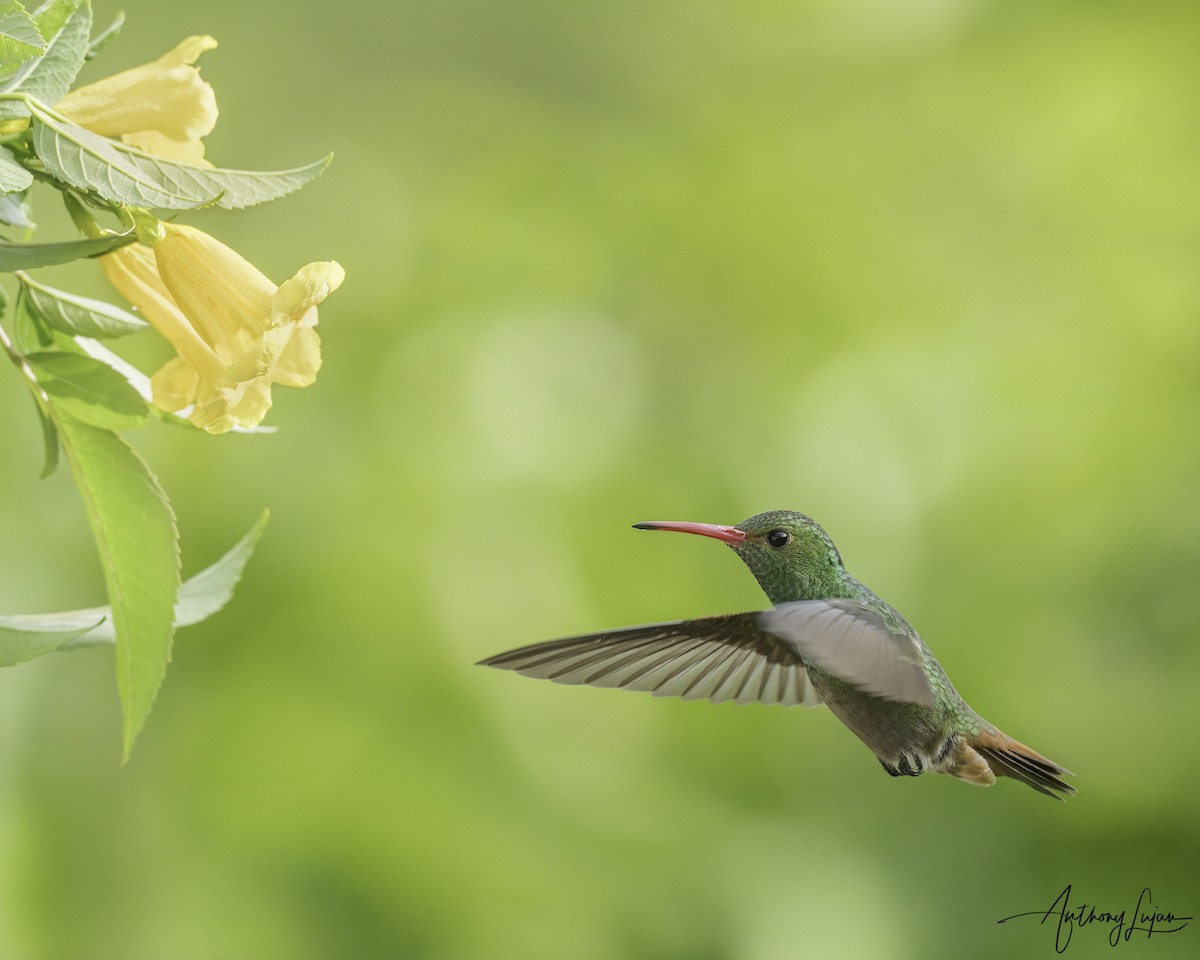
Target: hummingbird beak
(730,535)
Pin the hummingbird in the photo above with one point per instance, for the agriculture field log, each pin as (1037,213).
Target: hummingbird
(827,639)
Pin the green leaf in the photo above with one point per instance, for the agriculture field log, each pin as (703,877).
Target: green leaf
(140,382)
(106,36)
(15,211)
(122,174)
(212,588)
(88,390)
(30,333)
(28,256)
(199,598)
(49,440)
(133,376)
(13,176)
(53,14)
(19,36)
(79,316)
(135,533)
(24,331)
(66,24)
(25,637)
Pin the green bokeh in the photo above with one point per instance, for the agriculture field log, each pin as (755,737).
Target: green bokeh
(924,270)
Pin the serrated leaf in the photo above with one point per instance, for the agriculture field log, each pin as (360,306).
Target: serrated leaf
(13,176)
(53,14)
(210,589)
(79,316)
(66,25)
(122,174)
(19,36)
(30,256)
(88,390)
(135,533)
(15,211)
(25,637)
(199,598)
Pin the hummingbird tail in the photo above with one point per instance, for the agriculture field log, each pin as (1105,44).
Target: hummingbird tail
(1009,758)
(963,762)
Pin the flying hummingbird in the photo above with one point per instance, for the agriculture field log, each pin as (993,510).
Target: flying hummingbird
(827,639)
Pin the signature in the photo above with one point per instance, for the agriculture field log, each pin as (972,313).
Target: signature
(1146,918)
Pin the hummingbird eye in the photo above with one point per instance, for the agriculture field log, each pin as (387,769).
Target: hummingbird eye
(778,538)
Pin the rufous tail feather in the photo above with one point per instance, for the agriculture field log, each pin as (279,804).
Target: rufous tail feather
(968,765)
(1007,757)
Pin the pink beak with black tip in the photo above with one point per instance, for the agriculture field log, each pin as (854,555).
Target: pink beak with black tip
(730,535)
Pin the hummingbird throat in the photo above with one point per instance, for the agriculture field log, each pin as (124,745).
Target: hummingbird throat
(804,578)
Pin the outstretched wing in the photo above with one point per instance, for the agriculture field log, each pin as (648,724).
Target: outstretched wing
(852,641)
(714,658)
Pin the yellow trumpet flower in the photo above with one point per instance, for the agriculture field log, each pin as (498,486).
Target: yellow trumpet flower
(235,331)
(161,107)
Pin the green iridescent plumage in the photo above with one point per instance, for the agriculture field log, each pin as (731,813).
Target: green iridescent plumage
(828,639)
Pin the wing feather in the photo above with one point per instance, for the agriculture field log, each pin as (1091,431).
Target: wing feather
(852,641)
(714,658)
(704,684)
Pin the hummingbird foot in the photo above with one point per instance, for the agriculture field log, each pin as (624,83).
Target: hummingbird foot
(909,765)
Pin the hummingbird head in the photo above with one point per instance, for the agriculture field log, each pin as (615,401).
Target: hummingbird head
(790,555)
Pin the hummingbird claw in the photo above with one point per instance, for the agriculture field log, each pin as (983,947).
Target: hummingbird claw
(909,765)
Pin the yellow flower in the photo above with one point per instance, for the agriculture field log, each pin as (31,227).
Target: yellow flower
(235,331)
(162,107)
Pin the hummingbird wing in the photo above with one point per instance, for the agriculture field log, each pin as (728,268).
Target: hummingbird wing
(714,658)
(855,642)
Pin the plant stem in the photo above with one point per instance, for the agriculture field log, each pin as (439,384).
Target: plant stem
(21,364)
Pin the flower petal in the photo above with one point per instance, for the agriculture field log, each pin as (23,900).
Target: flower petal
(132,270)
(175,385)
(311,284)
(165,96)
(228,404)
(235,331)
(187,51)
(300,360)
(190,152)
(226,297)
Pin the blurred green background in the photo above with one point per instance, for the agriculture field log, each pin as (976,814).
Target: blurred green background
(926,271)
